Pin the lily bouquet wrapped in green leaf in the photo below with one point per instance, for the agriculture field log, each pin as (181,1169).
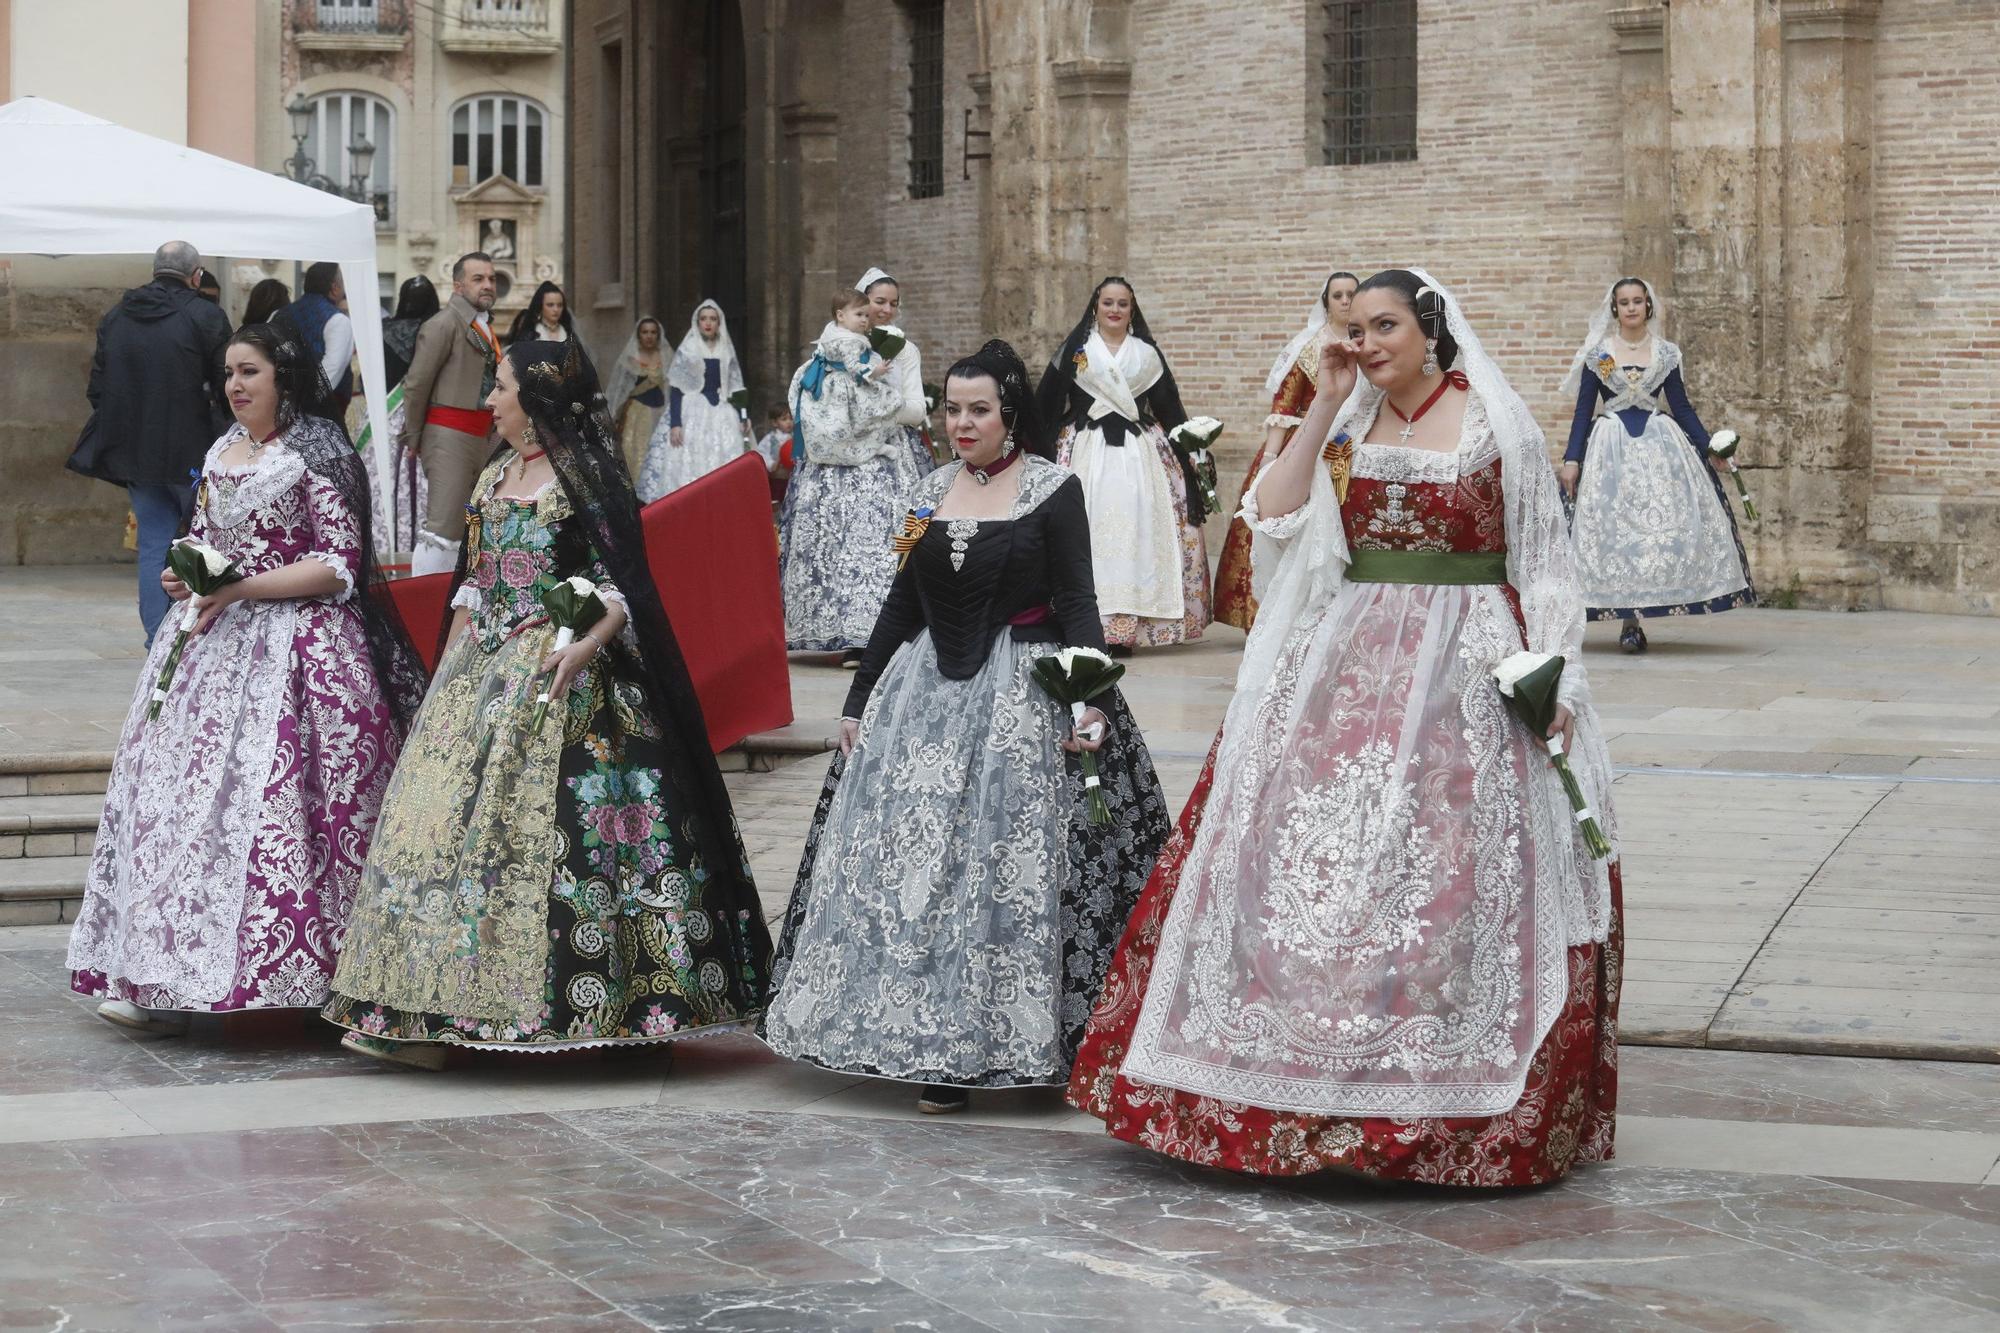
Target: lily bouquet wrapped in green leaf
(573,606)
(1073,677)
(933,395)
(205,570)
(1191,439)
(887,340)
(1723,445)
(1527,683)
(740,400)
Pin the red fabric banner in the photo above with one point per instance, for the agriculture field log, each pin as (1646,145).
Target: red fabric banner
(715,561)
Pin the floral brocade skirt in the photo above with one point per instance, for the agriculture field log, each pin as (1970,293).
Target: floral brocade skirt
(835,558)
(955,910)
(537,888)
(1235,598)
(1566,1114)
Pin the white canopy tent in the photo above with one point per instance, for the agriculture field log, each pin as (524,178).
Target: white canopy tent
(77,185)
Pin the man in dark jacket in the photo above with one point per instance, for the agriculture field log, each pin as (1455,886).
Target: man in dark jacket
(155,394)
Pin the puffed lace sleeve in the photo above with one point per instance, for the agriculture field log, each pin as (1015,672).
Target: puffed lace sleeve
(1541,564)
(336,534)
(909,377)
(1309,543)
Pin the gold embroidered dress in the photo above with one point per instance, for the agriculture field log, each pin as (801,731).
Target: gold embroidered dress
(541,887)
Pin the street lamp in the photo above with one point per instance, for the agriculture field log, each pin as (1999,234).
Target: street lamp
(360,158)
(301,167)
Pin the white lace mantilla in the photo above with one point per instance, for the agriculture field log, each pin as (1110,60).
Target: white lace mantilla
(1374,916)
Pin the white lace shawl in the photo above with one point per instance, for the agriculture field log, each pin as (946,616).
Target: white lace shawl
(1299,561)
(1114,381)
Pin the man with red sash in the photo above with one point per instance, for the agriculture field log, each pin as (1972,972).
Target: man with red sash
(444,395)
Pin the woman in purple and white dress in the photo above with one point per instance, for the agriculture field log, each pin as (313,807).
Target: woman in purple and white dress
(236,821)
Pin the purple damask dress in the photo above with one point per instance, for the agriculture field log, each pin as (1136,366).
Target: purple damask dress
(237,821)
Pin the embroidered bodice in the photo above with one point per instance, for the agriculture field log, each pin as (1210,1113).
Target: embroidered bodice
(526,547)
(968,578)
(1405,499)
(274,511)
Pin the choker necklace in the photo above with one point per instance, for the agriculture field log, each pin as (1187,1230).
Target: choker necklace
(529,458)
(1452,380)
(982,475)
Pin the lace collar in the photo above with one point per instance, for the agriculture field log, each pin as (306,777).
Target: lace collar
(1477,446)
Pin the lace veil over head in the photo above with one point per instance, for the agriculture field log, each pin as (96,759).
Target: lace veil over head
(1315,321)
(625,370)
(685,372)
(1601,324)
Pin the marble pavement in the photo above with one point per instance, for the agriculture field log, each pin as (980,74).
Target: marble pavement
(1806,803)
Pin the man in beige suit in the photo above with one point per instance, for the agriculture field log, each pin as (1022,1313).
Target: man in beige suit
(447,423)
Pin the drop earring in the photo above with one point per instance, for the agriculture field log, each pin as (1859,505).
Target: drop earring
(1430,357)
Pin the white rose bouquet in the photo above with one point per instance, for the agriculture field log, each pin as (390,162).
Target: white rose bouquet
(887,340)
(205,570)
(1527,683)
(1191,439)
(1073,677)
(1723,445)
(573,606)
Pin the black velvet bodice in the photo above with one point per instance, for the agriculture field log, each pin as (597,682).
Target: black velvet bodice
(1010,567)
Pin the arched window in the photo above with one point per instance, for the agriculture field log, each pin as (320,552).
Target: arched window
(336,119)
(498,135)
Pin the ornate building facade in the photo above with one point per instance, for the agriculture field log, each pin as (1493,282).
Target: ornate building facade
(1810,183)
(462,101)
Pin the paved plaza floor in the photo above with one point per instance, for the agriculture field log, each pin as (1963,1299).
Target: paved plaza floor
(1807,804)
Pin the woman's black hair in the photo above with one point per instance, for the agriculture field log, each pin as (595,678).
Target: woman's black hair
(267,298)
(302,387)
(1426,302)
(417,298)
(1640,283)
(529,320)
(1017,404)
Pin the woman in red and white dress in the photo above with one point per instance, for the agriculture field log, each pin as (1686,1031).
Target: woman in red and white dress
(1376,940)
(1293,380)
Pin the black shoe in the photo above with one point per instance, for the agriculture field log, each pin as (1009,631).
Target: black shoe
(1632,639)
(942,1099)
(851,659)
(1120,649)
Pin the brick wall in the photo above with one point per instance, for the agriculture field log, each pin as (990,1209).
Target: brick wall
(1934,520)
(930,245)
(1514,201)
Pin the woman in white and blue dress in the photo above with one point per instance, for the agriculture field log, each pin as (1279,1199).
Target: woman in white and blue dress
(955,909)
(906,368)
(702,429)
(1653,529)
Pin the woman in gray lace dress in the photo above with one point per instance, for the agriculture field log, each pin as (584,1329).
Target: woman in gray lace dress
(955,909)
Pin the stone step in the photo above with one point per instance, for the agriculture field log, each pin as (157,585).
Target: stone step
(41,890)
(75,774)
(38,826)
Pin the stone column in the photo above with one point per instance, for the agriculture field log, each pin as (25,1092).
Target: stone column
(1825,316)
(1058,76)
(1644,114)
